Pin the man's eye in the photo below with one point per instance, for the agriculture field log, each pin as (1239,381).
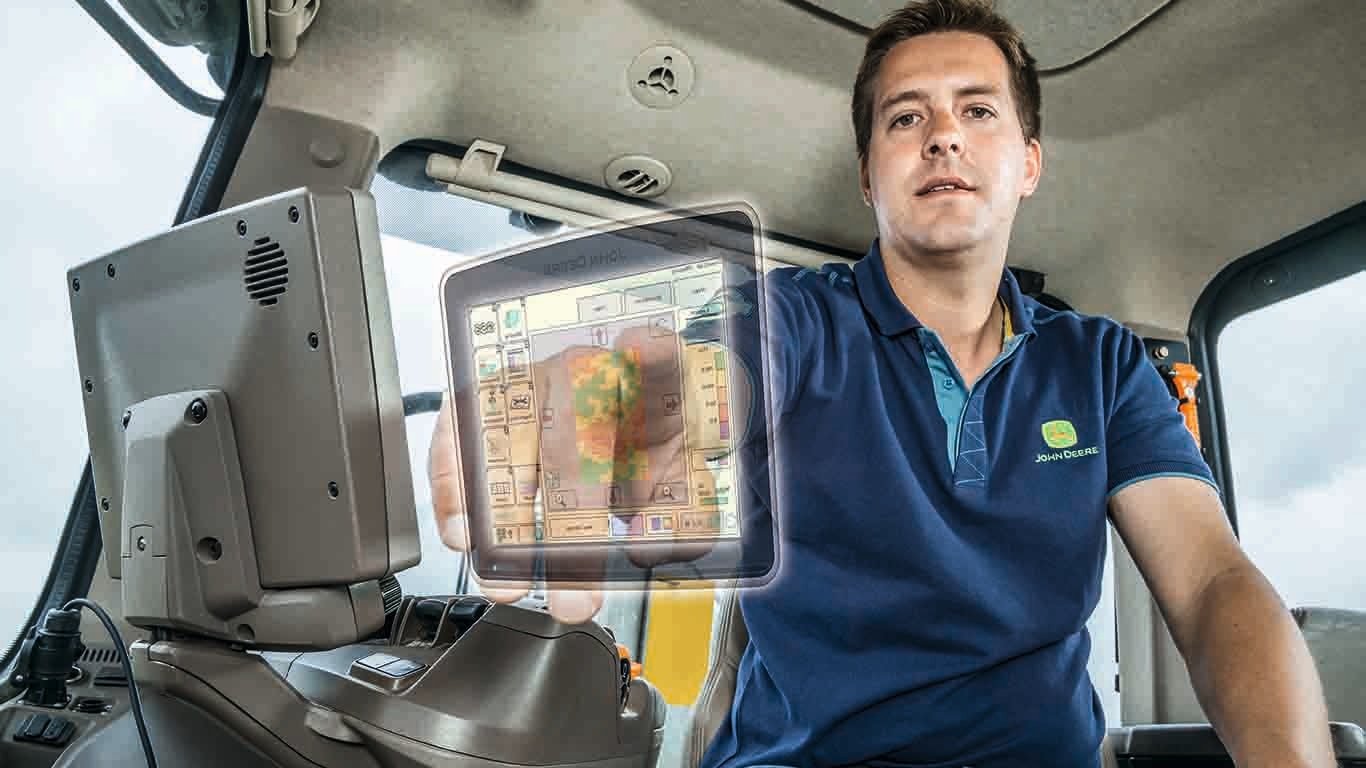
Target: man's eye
(904,121)
(981,113)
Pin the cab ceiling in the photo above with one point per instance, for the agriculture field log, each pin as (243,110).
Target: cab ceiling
(1057,35)
(1177,136)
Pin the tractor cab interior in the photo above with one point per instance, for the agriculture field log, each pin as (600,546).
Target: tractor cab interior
(252,529)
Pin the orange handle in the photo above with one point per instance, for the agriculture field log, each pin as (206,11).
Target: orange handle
(1183,378)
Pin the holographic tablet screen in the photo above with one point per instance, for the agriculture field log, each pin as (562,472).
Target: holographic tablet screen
(557,487)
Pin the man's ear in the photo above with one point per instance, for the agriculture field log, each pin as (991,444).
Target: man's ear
(864,187)
(1033,167)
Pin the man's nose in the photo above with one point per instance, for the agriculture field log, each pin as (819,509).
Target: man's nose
(944,137)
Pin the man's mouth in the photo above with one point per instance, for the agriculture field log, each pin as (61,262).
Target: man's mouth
(942,184)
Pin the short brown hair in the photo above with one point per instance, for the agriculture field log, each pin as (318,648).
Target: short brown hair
(921,17)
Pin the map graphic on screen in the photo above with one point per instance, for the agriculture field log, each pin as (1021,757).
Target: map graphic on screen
(574,451)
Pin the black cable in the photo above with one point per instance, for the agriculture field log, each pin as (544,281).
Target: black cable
(147,59)
(643,623)
(860,29)
(415,403)
(127,671)
(420,402)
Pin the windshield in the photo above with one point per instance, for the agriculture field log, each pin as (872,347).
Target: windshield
(98,158)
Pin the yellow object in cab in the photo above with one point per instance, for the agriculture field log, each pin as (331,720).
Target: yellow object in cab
(678,640)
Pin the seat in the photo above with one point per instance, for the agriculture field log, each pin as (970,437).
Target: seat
(718,688)
(1337,640)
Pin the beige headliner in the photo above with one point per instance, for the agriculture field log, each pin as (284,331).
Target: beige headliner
(1216,128)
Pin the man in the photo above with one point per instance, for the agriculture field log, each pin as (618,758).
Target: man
(953,451)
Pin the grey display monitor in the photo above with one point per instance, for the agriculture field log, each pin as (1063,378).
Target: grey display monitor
(594,380)
(290,481)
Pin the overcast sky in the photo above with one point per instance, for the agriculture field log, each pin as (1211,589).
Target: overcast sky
(97,157)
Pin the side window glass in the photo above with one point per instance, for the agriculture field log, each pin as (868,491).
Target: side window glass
(97,157)
(1291,373)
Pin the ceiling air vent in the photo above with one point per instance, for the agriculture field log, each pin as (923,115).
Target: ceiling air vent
(638,176)
(266,271)
(661,77)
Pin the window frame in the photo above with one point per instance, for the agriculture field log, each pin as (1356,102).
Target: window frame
(80,546)
(1322,253)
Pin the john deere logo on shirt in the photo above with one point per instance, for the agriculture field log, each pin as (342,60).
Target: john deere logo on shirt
(1059,434)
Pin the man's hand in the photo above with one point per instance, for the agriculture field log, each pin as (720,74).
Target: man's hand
(652,368)
(443,470)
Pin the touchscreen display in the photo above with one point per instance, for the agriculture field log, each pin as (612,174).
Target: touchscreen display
(600,423)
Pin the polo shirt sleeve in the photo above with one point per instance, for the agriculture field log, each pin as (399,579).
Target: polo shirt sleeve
(1146,436)
(774,350)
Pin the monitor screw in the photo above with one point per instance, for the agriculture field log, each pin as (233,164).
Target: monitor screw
(333,490)
(75,284)
(241,228)
(294,214)
(313,340)
(198,411)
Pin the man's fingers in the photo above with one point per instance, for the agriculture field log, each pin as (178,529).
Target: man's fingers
(675,552)
(580,600)
(443,471)
(574,607)
(452,529)
(657,345)
(505,591)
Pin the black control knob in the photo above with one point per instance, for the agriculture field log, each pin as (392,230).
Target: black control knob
(47,658)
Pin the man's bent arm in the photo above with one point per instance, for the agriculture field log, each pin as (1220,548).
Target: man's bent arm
(1254,675)
(1248,662)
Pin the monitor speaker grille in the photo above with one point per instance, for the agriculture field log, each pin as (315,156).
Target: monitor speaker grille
(266,272)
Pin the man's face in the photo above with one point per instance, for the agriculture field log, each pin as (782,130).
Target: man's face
(947,161)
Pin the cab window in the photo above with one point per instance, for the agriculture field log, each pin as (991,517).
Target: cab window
(1291,372)
(97,157)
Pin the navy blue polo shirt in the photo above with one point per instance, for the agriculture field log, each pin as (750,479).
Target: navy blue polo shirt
(941,549)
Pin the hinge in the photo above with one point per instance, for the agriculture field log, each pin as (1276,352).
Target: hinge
(275,26)
(475,170)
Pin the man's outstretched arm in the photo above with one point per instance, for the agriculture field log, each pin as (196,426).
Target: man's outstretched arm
(1248,662)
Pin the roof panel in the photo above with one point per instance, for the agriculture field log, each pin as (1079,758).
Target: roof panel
(1059,33)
